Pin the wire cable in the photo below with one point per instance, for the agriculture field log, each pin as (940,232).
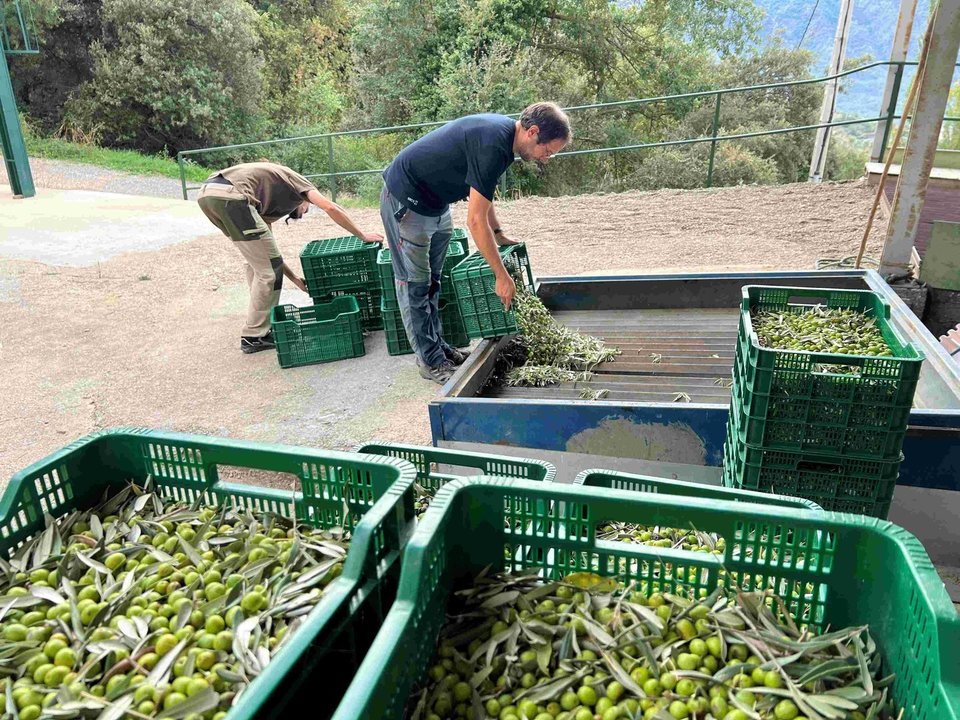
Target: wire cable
(809,20)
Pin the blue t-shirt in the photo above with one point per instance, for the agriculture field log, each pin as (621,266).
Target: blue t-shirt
(442,166)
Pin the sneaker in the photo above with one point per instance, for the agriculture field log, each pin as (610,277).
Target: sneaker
(256,344)
(457,357)
(439,374)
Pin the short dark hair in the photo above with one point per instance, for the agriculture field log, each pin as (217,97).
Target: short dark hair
(551,121)
(296,214)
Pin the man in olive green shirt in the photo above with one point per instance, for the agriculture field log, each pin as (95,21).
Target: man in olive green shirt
(243,201)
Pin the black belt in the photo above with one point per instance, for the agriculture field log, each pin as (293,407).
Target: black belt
(218,180)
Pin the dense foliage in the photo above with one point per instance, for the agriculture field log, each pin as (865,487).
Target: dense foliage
(161,76)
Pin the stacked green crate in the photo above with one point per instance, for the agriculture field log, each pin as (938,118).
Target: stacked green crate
(450,319)
(396,334)
(344,266)
(825,426)
(388,288)
(459,237)
(454,331)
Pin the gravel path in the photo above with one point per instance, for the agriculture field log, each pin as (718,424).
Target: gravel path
(64,175)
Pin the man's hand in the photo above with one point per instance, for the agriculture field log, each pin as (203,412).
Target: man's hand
(503,240)
(371,237)
(506,289)
(299,282)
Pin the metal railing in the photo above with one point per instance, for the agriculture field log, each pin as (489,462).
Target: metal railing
(15,23)
(714,139)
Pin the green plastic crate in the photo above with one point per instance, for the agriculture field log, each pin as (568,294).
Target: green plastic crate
(860,571)
(613,480)
(342,263)
(459,236)
(786,404)
(483,313)
(820,422)
(369,301)
(388,287)
(517,262)
(371,496)
(451,322)
(318,333)
(395,333)
(842,484)
(427,461)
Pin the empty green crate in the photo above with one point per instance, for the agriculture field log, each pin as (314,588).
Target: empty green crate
(613,480)
(483,313)
(371,496)
(388,287)
(459,237)
(451,321)
(786,403)
(342,263)
(317,333)
(838,483)
(517,262)
(852,571)
(368,299)
(395,333)
(430,460)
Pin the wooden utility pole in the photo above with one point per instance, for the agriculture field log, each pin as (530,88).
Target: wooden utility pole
(819,160)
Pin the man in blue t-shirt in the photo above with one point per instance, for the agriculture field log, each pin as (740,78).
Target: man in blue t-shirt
(462,159)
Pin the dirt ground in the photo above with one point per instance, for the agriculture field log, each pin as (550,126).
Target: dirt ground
(150,338)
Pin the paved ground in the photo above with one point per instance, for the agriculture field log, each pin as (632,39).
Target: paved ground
(64,175)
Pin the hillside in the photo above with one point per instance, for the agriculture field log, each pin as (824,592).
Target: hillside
(874,22)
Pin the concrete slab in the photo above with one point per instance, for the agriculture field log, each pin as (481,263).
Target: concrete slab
(77,228)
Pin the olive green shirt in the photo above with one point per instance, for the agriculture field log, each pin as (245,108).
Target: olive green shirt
(274,190)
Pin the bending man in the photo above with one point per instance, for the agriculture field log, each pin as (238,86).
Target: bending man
(462,159)
(244,201)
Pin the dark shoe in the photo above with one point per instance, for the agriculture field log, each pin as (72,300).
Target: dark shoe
(457,357)
(256,344)
(439,374)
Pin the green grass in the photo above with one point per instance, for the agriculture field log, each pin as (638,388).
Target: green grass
(123,160)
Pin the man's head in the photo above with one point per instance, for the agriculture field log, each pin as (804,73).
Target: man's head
(542,131)
(300,211)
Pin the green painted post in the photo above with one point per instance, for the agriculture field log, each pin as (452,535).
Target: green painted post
(14,150)
(331,168)
(183,175)
(713,143)
(891,111)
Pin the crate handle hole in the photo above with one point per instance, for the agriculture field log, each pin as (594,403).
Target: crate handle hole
(258,478)
(807,300)
(810,466)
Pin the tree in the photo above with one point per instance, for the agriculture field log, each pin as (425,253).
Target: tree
(407,52)
(950,134)
(754,111)
(305,45)
(43,82)
(172,74)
